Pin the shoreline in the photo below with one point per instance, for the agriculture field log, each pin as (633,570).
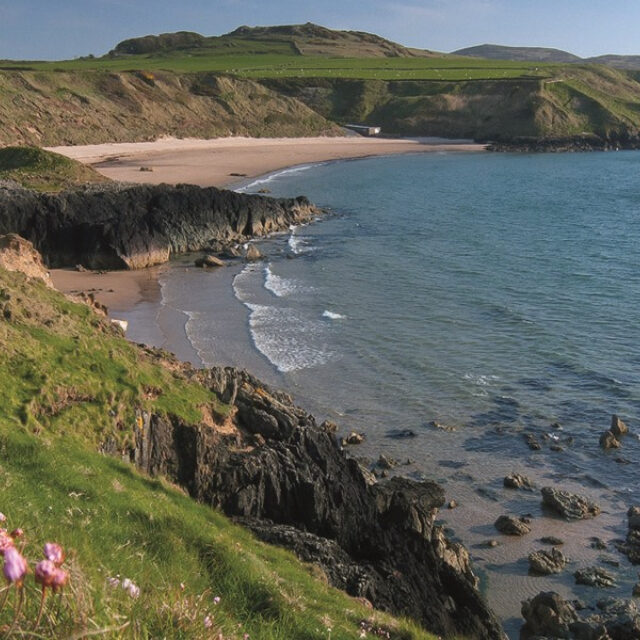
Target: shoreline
(222,162)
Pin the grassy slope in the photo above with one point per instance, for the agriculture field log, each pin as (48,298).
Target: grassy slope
(51,108)
(35,168)
(69,383)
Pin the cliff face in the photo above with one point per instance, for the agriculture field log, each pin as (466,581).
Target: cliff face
(286,478)
(48,108)
(137,226)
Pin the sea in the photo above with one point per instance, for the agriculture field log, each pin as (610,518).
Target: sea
(448,305)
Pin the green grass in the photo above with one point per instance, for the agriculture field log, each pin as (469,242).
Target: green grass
(42,170)
(70,381)
(278,65)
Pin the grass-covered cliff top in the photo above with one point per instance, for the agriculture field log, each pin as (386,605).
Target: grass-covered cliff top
(42,170)
(70,382)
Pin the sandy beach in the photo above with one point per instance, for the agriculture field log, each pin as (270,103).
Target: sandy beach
(225,161)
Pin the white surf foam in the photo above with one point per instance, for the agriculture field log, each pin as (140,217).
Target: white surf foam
(332,315)
(271,177)
(286,338)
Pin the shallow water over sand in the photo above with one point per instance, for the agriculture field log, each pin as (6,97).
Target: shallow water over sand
(495,293)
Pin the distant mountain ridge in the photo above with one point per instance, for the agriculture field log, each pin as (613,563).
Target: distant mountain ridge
(545,54)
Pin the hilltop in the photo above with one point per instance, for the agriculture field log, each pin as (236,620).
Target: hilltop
(305,40)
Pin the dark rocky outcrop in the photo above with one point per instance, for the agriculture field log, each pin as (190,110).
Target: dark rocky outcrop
(548,615)
(618,427)
(609,441)
(631,546)
(569,505)
(287,479)
(129,227)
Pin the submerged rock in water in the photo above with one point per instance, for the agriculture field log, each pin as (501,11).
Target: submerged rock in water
(594,577)
(618,428)
(569,505)
(209,261)
(518,481)
(253,253)
(512,526)
(545,562)
(609,441)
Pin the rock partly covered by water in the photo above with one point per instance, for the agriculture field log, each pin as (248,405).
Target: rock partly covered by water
(548,615)
(594,577)
(569,505)
(134,226)
(512,526)
(518,481)
(288,479)
(609,441)
(545,562)
(618,427)
(631,546)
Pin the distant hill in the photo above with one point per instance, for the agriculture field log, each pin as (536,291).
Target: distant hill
(544,54)
(302,39)
(518,54)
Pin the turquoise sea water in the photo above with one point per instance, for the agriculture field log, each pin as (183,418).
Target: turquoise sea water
(494,293)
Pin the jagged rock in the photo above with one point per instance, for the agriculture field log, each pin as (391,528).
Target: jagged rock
(621,618)
(547,614)
(452,504)
(594,577)
(134,226)
(518,481)
(618,428)
(377,541)
(547,562)
(385,462)
(512,526)
(609,441)
(631,546)
(569,505)
(209,261)
(636,590)
(442,427)
(354,438)
(598,543)
(552,540)
(253,253)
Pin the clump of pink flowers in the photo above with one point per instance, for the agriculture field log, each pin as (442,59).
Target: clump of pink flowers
(48,573)
(128,585)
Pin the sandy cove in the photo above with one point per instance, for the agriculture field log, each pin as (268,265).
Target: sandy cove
(221,162)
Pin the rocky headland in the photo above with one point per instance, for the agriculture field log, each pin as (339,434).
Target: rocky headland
(135,226)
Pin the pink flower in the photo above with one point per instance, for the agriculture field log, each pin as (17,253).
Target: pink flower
(6,541)
(60,578)
(208,622)
(17,533)
(3,518)
(54,553)
(216,600)
(15,566)
(114,582)
(45,573)
(131,588)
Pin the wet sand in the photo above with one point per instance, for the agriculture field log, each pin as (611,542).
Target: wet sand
(225,161)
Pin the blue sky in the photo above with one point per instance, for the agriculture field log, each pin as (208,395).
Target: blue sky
(57,29)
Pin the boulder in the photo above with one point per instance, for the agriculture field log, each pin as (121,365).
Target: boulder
(512,526)
(570,506)
(209,261)
(253,253)
(354,438)
(518,481)
(633,517)
(552,540)
(594,577)
(547,615)
(609,441)
(618,428)
(545,562)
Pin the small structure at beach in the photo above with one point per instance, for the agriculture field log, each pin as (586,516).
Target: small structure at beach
(364,129)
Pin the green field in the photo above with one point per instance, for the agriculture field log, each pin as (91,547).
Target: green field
(276,65)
